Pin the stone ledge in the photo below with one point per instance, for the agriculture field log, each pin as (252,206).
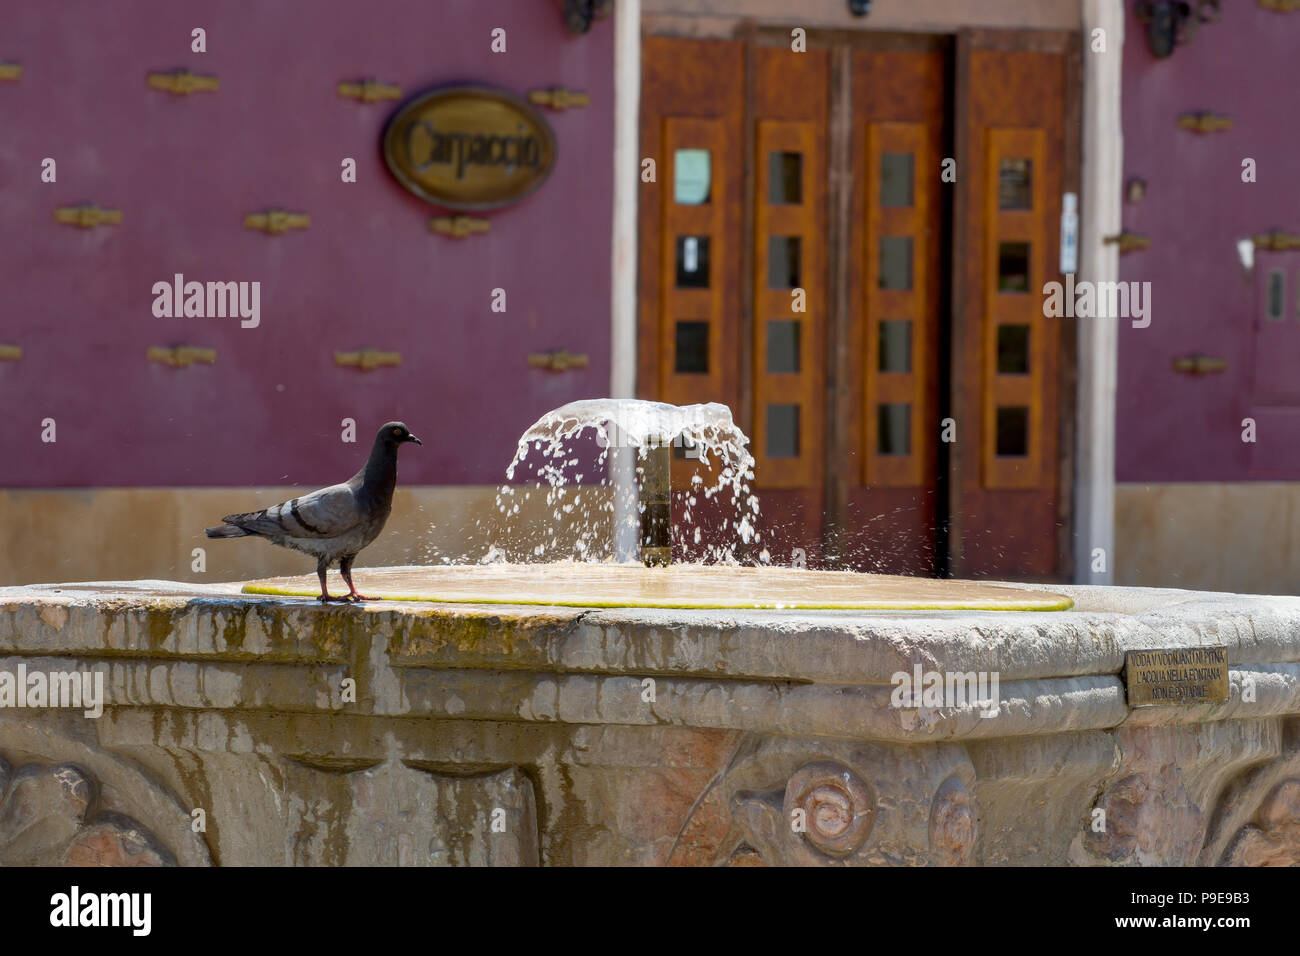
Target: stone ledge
(216,622)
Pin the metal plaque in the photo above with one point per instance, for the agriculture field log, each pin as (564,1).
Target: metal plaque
(1180,675)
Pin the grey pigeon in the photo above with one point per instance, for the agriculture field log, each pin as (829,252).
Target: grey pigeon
(336,522)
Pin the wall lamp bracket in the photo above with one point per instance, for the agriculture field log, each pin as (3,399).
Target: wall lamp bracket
(1172,23)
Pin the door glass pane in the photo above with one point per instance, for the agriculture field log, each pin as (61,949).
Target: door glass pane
(692,354)
(783,262)
(1013,267)
(895,345)
(691,176)
(895,262)
(783,431)
(783,345)
(692,262)
(785,179)
(1276,294)
(1016,184)
(895,179)
(1013,431)
(894,428)
(1013,350)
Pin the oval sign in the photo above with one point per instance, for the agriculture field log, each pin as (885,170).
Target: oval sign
(469,147)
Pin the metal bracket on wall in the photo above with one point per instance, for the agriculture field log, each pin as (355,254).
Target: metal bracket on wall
(1277,241)
(1198,364)
(1171,23)
(183,83)
(11,71)
(557,361)
(276,222)
(369,91)
(580,14)
(87,216)
(180,356)
(1128,241)
(10,353)
(367,359)
(458,227)
(1205,122)
(558,98)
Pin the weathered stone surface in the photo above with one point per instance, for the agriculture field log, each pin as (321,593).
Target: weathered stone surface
(953,824)
(1274,839)
(416,734)
(54,815)
(42,810)
(115,843)
(393,814)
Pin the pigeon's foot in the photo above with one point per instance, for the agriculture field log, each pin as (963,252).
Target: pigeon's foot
(333,597)
(354,596)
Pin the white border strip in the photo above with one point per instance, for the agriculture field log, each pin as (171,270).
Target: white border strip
(1103,175)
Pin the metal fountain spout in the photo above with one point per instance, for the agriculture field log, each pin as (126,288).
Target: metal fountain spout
(655,493)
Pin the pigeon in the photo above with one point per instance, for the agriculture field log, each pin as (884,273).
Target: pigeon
(336,522)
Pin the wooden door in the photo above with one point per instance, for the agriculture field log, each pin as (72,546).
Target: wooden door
(788,314)
(733,269)
(689,342)
(871,306)
(890,510)
(753,328)
(1012,368)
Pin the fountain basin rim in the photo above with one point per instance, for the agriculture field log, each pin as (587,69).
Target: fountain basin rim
(711,587)
(1064,604)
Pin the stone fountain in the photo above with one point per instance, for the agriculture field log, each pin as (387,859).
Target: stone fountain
(593,713)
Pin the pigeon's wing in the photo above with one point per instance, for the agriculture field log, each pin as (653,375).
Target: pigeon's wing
(327,513)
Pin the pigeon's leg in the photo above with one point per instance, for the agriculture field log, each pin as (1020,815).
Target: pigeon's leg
(345,568)
(325,595)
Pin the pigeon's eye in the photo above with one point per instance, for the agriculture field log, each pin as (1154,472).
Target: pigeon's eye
(397,431)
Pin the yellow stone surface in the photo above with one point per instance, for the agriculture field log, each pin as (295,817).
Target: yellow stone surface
(680,586)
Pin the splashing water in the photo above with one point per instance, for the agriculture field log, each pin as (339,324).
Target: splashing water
(548,447)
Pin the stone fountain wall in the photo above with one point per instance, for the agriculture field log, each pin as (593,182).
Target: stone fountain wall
(261,731)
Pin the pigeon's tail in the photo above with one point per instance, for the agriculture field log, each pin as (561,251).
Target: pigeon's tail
(225,531)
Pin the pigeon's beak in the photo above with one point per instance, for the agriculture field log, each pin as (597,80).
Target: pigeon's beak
(416,440)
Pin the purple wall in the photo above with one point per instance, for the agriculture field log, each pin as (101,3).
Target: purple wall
(368,273)
(1174,427)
